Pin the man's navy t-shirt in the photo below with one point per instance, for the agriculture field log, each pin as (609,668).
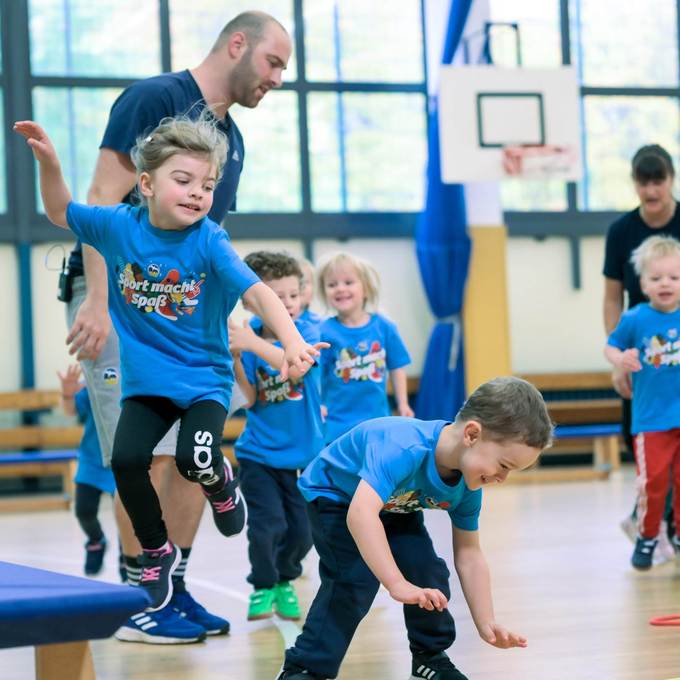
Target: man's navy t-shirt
(140,108)
(623,237)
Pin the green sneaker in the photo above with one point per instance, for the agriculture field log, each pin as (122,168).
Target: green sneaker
(286,601)
(261,604)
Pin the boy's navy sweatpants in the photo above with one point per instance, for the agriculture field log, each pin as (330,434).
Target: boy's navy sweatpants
(278,529)
(348,588)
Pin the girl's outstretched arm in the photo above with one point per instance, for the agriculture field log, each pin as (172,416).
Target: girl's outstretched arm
(55,193)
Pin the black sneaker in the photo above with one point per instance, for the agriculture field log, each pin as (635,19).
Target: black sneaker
(297,674)
(94,556)
(643,553)
(434,667)
(228,505)
(156,578)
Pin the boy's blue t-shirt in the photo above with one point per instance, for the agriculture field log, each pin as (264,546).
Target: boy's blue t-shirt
(656,395)
(283,428)
(90,468)
(396,457)
(170,293)
(355,371)
(142,106)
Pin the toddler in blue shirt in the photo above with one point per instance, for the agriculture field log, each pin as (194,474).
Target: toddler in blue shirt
(92,478)
(646,343)
(282,434)
(365,493)
(365,348)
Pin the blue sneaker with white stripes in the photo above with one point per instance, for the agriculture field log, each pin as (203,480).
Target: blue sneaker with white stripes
(434,667)
(192,611)
(643,554)
(162,627)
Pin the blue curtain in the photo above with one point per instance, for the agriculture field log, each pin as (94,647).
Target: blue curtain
(443,250)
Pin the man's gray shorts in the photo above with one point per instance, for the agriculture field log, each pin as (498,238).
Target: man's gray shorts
(102,377)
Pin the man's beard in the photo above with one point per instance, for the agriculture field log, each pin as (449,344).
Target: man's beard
(244,80)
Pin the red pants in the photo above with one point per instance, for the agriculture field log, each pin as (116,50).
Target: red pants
(657,456)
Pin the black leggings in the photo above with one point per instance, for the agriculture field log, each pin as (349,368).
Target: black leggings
(142,424)
(87,507)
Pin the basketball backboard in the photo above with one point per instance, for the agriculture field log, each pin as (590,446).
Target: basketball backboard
(485,109)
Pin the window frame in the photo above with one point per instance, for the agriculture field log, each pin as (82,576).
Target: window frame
(306,225)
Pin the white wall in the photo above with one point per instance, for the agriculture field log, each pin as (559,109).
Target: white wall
(554,327)
(10,343)
(49,317)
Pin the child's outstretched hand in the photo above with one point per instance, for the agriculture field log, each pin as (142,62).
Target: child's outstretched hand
(70,381)
(500,637)
(37,139)
(425,598)
(301,355)
(630,360)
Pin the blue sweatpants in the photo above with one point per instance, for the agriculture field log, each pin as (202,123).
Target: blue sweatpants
(278,529)
(348,588)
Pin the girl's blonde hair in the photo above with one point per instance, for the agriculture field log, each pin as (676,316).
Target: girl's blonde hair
(651,249)
(182,135)
(366,272)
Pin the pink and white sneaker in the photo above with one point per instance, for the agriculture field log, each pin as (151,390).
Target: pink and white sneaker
(228,505)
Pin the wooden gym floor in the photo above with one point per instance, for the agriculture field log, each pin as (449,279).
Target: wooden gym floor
(561,576)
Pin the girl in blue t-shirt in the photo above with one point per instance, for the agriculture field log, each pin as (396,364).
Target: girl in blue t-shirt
(92,478)
(364,347)
(173,280)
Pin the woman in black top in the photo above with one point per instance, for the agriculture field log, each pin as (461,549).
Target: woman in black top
(657,214)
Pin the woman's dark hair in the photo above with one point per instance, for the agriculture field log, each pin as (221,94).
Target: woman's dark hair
(652,163)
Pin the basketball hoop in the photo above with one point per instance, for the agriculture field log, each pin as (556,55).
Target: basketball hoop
(539,161)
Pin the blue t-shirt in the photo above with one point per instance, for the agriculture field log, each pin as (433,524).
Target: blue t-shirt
(656,388)
(355,371)
(283,427)
(140,108)
(90,468)
(395,457)
(310,317)
(170,293)
(306,316)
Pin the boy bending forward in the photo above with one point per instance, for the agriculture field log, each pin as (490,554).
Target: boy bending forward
(365,492)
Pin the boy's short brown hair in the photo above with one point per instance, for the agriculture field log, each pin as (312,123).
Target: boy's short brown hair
(509,409)
(270,266)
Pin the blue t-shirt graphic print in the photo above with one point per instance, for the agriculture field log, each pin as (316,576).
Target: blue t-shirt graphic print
(283,428)
(656,393)
(170,293)
(355,371)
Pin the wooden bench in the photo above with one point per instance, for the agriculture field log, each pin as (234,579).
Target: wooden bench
(28,451)
(584,424)
(41,439)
